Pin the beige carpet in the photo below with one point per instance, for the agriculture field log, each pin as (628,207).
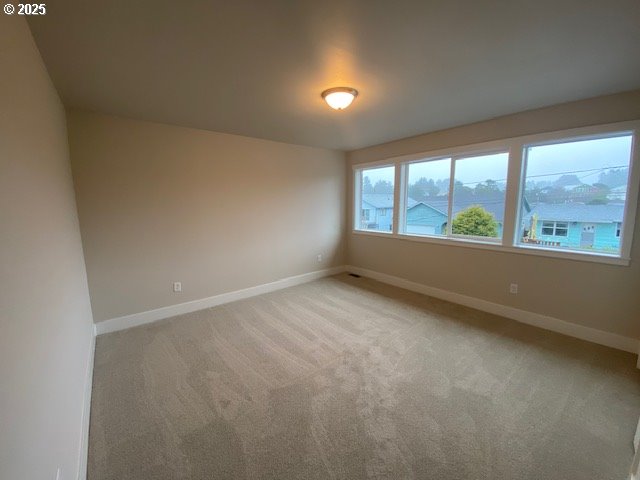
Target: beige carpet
(347,378)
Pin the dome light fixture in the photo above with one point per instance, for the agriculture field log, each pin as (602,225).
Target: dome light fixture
(339,98)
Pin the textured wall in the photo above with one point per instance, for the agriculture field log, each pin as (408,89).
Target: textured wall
(592,294)
(45,314)
(217,212)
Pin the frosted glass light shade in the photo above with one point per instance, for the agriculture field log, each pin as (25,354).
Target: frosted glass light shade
(339,98)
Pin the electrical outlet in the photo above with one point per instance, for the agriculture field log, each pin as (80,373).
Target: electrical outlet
(513,288)
(319,257)
(177,287)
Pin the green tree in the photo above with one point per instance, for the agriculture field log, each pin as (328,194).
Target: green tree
(475,220)
(461,191)
(366,185)
(383,186)
(614,177)
(600,200)
(487,187)
(423,188)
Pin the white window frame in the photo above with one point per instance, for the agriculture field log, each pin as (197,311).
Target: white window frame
(515,187)
(451,199)
(554,228)
(357,190)
(404,174)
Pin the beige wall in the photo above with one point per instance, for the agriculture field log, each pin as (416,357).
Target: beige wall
(217,212)
(45,316)
(601,296)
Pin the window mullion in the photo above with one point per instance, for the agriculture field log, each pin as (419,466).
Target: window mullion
(398,203)
(450,206)
(513,195)
(357,190)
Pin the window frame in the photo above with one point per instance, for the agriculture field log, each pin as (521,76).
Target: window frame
(453,159)
(357,203)
(404,174)
(477,238)
(555,228)
(515,147)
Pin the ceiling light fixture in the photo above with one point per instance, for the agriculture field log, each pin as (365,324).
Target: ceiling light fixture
(339,98)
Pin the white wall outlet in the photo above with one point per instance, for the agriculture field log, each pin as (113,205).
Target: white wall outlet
(59,474)
(513,288)
(319,257)
(177,287)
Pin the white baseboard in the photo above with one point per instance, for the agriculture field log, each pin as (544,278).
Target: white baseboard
(543,321)
(128,321)
(86,410)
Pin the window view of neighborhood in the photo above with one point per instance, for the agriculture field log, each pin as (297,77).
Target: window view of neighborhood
(428,197)
(574,195)
(479,194)
(376,205)
(479,189)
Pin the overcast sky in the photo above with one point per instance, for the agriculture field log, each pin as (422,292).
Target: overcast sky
(578,156)
(548,160)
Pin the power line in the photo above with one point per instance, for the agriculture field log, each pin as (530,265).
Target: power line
(594,170)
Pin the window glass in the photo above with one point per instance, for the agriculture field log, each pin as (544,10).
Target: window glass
(574,194)
(427,202)
(376,199)
(479,191)
(547,228)
(562,229)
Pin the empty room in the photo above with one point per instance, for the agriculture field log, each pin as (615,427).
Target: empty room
(266,239)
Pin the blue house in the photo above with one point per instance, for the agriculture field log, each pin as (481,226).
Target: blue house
(425,219)
(430,217)
(377,211)
(575,225)
(563,225)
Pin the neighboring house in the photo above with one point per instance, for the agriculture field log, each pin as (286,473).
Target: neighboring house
(584,189)
(618,193)
(569,225)
(425,219)
(377,211)
(430,217)
(576,225)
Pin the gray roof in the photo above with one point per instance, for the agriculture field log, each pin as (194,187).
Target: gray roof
(383,200)
(564,212)
(495,207)
(578,212)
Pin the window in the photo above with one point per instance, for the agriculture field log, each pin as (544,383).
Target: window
(375,190)
(427,200)
(476,201)
(574,194)
(479,189)
(569,194)
(555,229)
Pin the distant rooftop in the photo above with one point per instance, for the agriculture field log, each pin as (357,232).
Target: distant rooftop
(383,200)
(578,212)
(564,212)
(490,204)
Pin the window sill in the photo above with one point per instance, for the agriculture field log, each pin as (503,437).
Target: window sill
(518,249)
(381,233)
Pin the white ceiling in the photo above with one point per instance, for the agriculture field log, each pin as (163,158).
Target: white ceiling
(257,67)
